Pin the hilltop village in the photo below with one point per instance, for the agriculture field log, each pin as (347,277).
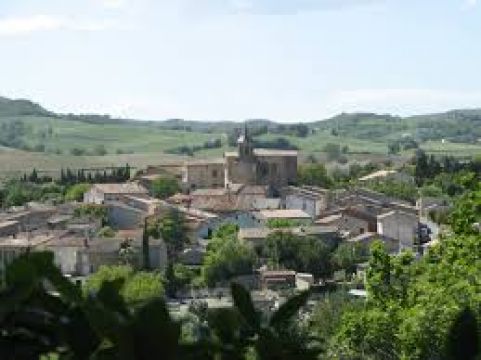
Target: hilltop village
(253,192)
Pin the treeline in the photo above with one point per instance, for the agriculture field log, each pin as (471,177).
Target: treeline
(315,174)
(114,175)
(278,143)
(11,134)
(190,150)
(80,176)
(405,143)
(428,167)
(297,130)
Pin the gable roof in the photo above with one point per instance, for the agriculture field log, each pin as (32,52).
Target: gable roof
(123,188)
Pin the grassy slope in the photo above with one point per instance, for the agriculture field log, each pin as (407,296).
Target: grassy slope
(362,133)
(68,134)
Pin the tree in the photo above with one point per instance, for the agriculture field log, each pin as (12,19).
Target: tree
(226,257)
(173,231)
(314,174)
(467,213)
(100,150)
(127,253)
(347,256)
(136,287)
(303,254)
(164,187)
(76,192)
(379,274)
(106,232)
(281,223)
(393,147)
(333,151)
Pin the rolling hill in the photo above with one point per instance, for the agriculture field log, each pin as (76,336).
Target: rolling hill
(31,135)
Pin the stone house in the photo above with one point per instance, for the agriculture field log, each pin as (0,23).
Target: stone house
(29,217)
(313,200)
(297,216)
(102,193)
(203,174)
(399,225)
(12,247)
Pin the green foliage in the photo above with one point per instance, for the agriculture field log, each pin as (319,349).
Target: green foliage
(227,257)
(177,277)
(92,210)
(282,223)
(303,254)
(100,150)
(135,287)
(172,229)
(347,256)
(165,187)
(327,315)
(280,338)
(333,151)
(76,192)
(314,174)
(35,323)
(107,175)
(466,213)
(426,309)
(396,189)
(106,232)
(18,193)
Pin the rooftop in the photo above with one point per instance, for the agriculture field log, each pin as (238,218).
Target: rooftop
(8,223)
(284,214)
(265,152)
(308,191)
(26,240)
(209,192)
(378,174)
(263,232)
(124,188)
(57,219)
(329,219)
(204,162)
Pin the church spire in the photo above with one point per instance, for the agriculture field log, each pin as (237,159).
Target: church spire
(244,143)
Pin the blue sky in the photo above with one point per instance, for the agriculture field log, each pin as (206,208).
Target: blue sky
(285,60)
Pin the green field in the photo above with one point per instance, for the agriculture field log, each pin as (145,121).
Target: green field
(124,137)
(44,140)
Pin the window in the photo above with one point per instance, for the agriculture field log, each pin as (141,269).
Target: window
(214,173)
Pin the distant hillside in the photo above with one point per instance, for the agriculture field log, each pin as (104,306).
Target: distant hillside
(461,126)
(21,107)
(28,126)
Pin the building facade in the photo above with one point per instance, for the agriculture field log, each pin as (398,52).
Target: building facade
(249,166)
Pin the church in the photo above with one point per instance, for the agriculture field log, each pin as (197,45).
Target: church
(248,165)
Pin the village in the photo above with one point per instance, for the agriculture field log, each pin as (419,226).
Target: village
(255,191)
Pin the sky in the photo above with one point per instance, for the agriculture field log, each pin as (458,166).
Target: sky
(285,60)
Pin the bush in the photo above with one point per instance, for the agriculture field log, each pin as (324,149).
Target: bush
(106,232)
(77,152)
(100,150)
(164,187)
(76,192)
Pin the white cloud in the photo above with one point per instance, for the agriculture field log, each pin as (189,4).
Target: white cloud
(25,25)
(37,23)
(113,4)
